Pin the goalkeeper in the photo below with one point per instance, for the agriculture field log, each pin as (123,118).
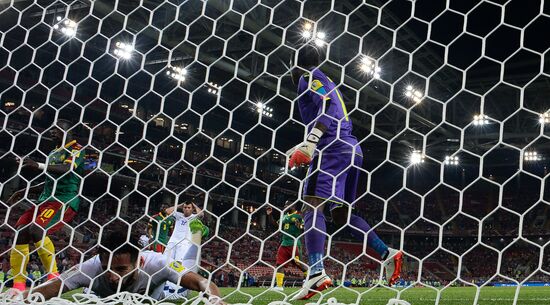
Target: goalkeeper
(334,158)
(59,204)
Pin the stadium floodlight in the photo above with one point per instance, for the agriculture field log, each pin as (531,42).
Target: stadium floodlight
(416,157)
(67,26)
(369,67)
(320,39)
(531,156)
(213,88)
(481,119)
(264,110)
(177,73)
(414,94)
(451,160)
(545,117)
(123,50)
(307,30)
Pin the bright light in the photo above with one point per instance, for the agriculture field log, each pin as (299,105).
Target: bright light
(213,88)
(531,156)
(414,94)
(307,31)
(369,67)
(176,73)
(416,157)
(319,42)
(544,118)
(264,109)
(123,50)
(481,119)
(451,160)
(67,26)
(321,35)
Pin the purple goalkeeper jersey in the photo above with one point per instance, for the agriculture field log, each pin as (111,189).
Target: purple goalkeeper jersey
(322,103)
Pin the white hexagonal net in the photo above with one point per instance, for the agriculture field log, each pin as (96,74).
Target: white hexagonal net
(160,102)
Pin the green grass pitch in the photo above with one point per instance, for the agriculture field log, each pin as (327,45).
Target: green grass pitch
(415,296)
(380,296)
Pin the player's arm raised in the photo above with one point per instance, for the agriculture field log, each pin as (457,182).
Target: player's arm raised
(74,160)
(16,196)
(171,209)
(200,212)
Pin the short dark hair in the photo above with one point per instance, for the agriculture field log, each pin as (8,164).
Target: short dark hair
(117,243)
(309,57)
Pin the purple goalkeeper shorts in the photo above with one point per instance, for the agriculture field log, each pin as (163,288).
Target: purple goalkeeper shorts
(335,178)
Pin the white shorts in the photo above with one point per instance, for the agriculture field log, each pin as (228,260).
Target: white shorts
(177,250)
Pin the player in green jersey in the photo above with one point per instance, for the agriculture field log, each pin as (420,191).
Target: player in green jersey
(58,204)
(290,248)
(159,228)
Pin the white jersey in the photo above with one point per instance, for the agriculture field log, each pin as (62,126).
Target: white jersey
(156,270)
(181,229)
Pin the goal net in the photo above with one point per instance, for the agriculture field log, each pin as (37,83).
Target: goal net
(111,110)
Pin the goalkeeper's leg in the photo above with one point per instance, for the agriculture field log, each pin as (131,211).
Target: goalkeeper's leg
(359,227)
(315,238)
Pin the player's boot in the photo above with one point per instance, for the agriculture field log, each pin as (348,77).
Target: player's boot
(393,265)
(277,288)
(314,285)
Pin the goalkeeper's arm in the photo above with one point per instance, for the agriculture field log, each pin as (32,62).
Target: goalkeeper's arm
(303,153)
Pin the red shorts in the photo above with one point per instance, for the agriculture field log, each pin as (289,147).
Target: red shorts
(286,254)
(158,247)
(48,216)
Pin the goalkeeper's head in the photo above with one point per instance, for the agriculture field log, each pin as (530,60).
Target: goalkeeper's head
(306,59)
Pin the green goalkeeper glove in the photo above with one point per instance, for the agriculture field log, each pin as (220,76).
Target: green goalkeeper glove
(196,225)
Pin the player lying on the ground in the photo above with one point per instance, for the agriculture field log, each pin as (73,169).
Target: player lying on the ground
(335,158)
(159,228)
(290,248)
(120,266)
(58,204)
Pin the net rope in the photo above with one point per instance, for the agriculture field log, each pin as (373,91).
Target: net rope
(176,100)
